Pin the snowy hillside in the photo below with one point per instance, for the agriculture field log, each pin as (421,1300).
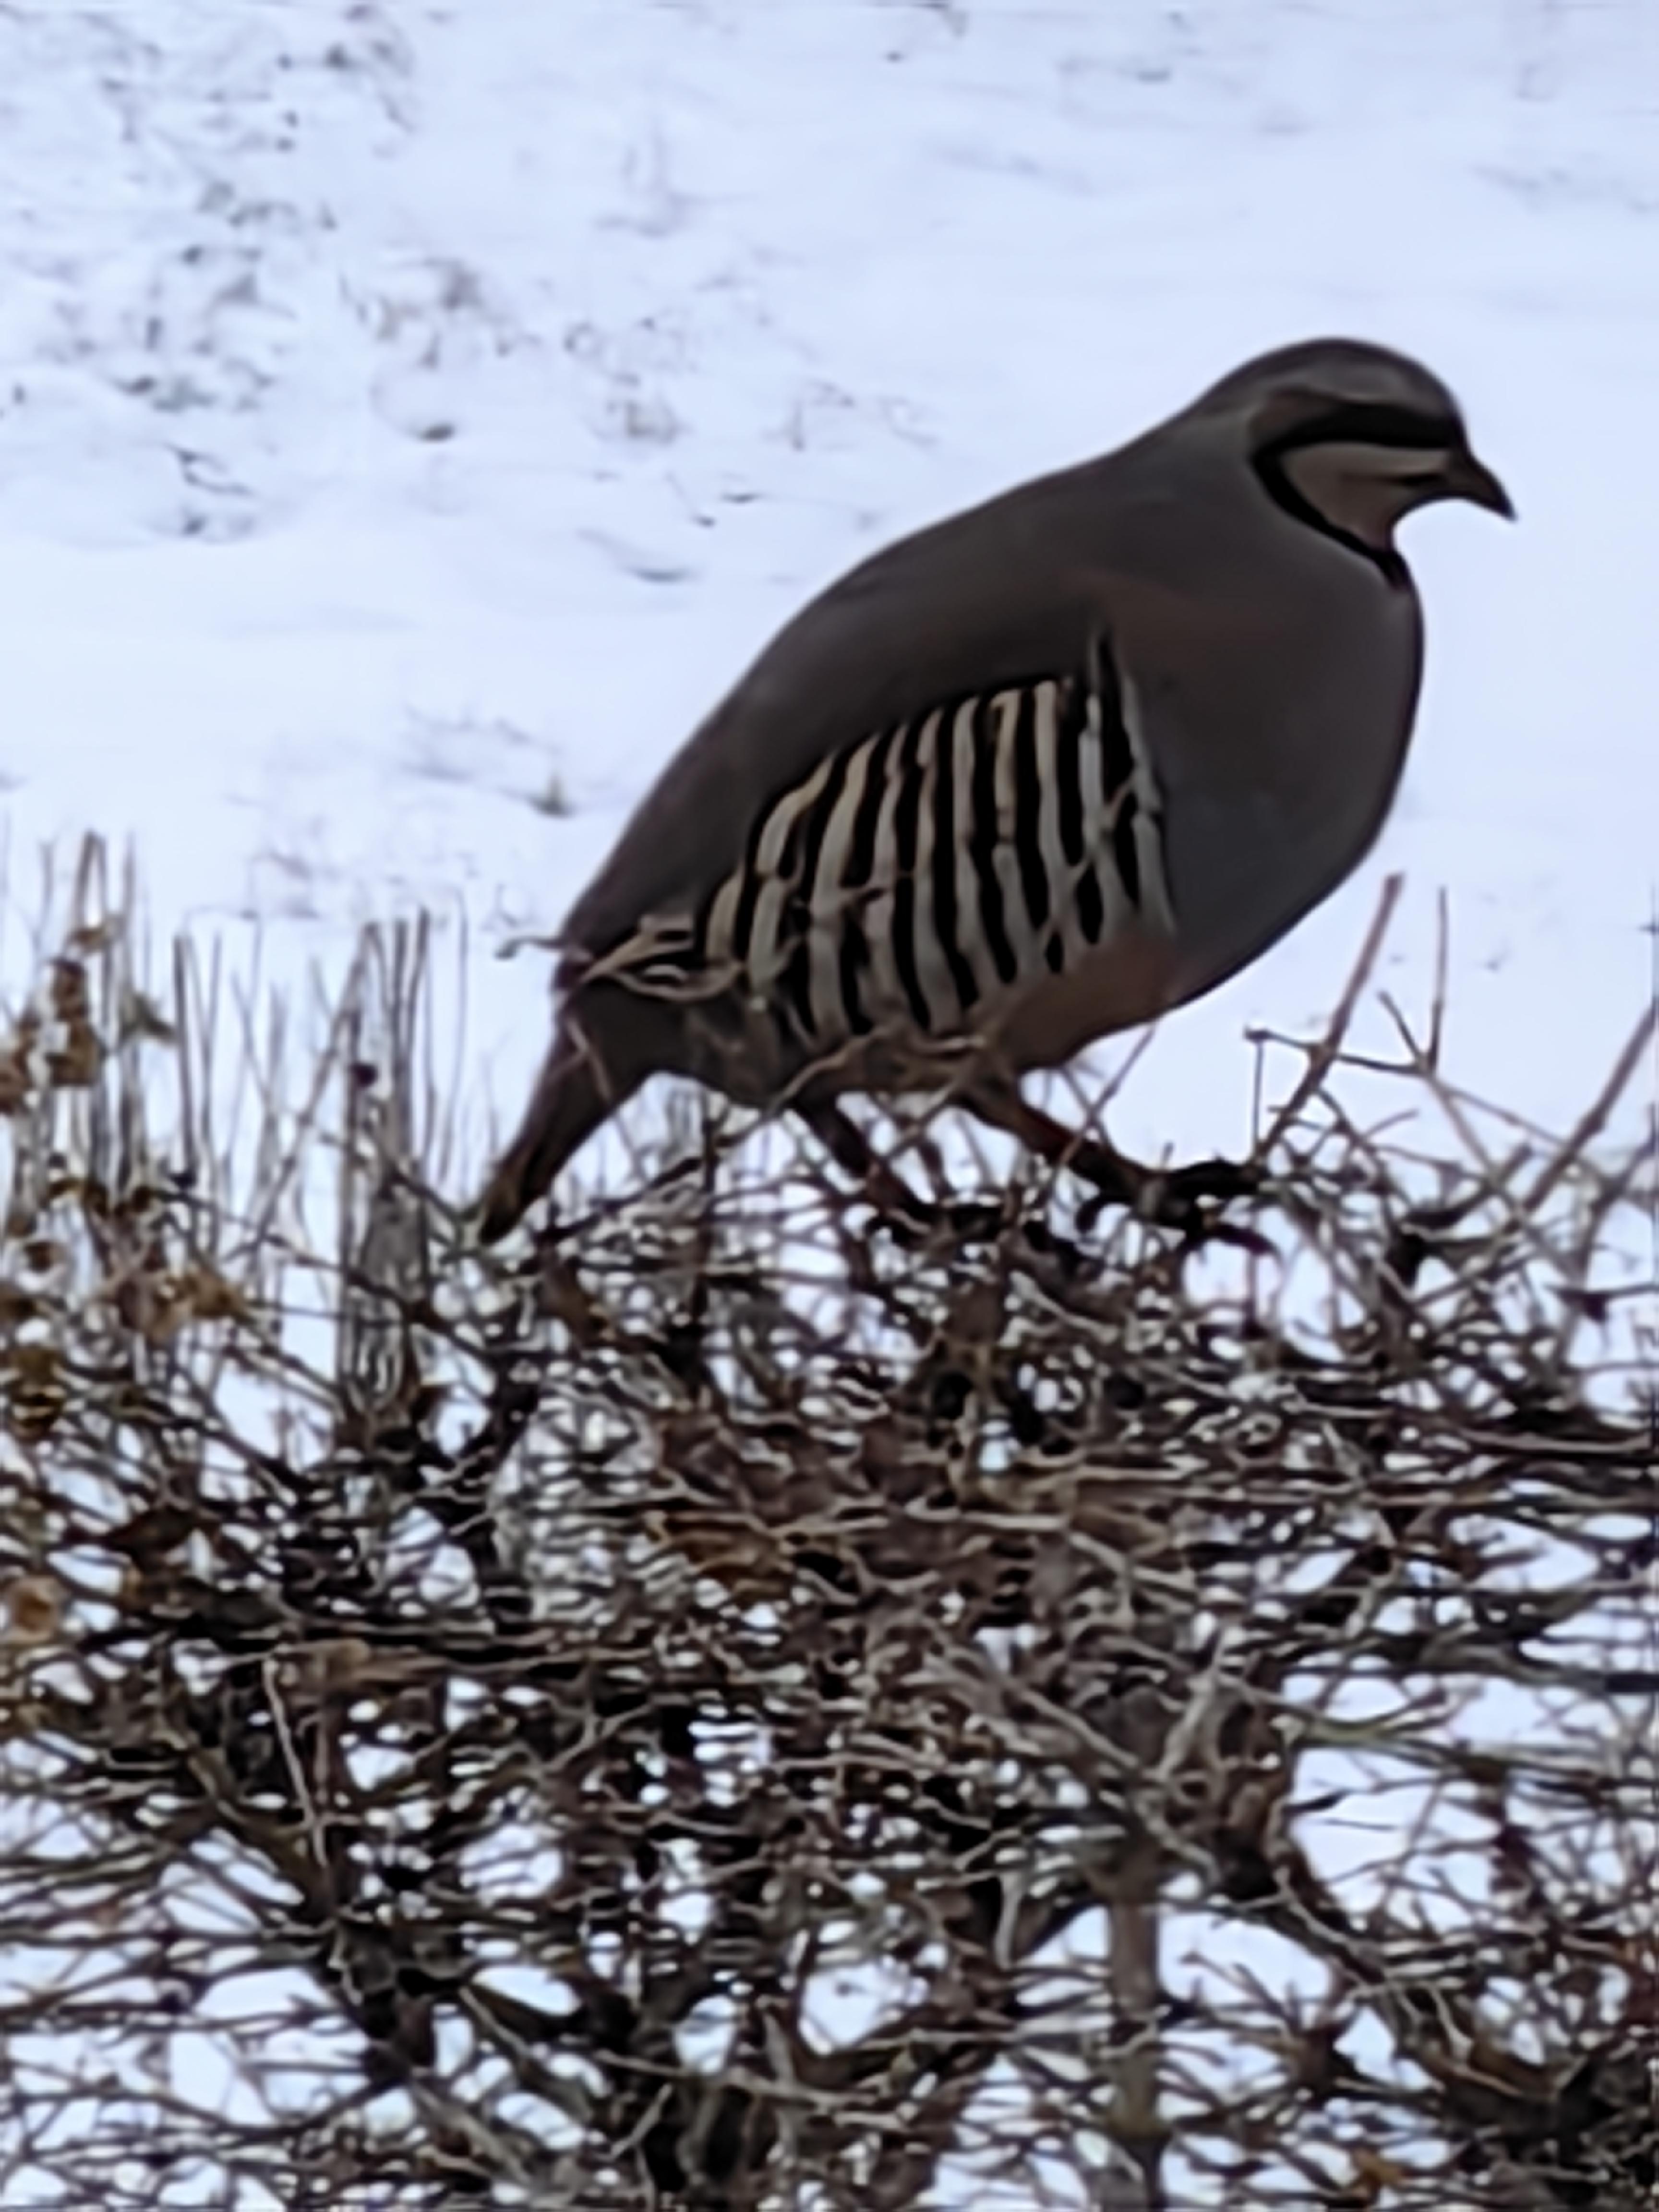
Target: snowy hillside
(411,417)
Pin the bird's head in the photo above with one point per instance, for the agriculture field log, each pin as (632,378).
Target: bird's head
(1352,438)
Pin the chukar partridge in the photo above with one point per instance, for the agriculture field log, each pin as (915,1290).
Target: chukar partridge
(1032,775)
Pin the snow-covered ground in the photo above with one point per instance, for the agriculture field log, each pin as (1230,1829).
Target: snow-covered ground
(412,416)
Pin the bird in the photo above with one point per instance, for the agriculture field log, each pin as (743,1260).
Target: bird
(1034,775)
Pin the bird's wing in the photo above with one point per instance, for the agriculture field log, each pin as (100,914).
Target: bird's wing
(993,598)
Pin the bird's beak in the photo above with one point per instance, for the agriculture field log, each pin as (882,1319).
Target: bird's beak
(1468,478)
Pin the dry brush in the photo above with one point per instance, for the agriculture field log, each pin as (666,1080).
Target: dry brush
(727,1708)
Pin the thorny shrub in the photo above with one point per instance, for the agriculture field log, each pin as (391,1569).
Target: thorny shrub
(721,1707)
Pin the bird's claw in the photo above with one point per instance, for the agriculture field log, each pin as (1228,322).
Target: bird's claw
(962,1222)
(1187,1198)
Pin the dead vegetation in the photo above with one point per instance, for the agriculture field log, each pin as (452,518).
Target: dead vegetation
(725,1711)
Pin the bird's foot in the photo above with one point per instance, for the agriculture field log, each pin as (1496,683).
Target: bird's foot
(917,1225)
(1189,1200)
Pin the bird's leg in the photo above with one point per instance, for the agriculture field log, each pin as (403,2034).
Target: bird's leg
(910,1215)
(1167,1196)
(850,1148)
(1118,1181)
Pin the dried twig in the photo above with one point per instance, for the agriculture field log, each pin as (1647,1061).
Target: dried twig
(730,1711)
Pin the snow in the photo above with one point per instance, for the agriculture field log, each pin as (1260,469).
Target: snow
(412,418)
(407,413)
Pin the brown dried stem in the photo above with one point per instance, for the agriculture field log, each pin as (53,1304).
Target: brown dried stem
(732,1711)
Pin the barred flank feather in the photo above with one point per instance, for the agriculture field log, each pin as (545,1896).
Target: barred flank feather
(933,869)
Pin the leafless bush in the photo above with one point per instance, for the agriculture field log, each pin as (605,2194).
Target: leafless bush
(726,1709)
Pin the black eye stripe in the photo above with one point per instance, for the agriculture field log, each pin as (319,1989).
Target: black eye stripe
(1360,425)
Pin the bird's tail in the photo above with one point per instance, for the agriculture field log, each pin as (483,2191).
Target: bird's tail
(574,1095)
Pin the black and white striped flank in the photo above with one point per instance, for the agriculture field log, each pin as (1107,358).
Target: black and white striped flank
(920,878)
